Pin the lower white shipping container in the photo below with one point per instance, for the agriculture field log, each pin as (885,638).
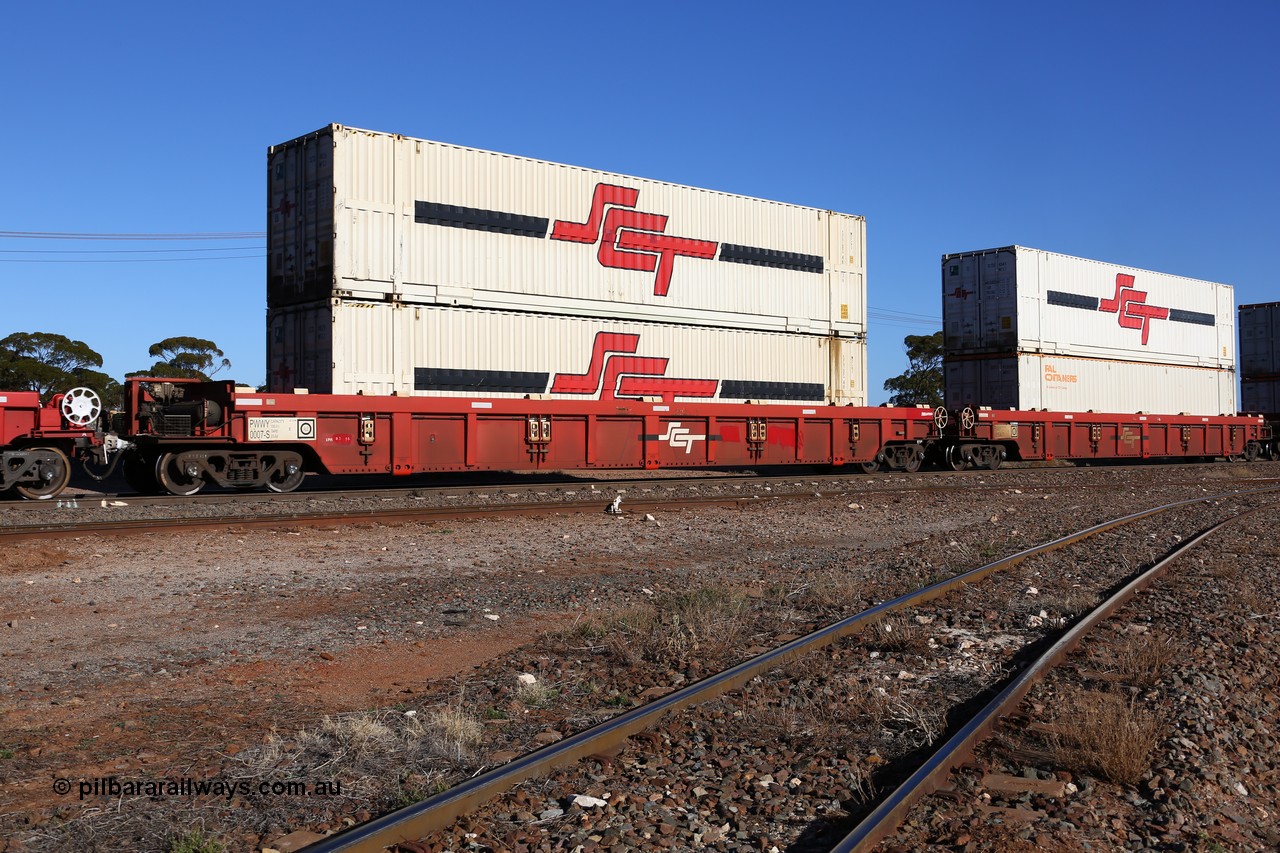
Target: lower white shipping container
(1260,396)
(1064,384)
(345,347)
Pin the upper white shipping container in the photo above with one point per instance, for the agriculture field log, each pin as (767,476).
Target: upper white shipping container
(1260,396)
(1260,341)
(1062,383)
(375,216)
(1016,299)
(345,347)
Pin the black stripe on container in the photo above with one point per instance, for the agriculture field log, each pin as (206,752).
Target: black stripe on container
(1072,300)
(744,389)
(476,219)
(1177,315)
(770,258)
(506,381)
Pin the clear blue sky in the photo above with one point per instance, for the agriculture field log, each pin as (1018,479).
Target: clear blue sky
(1140,133)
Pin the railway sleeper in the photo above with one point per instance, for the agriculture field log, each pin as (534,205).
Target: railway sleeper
(186,472)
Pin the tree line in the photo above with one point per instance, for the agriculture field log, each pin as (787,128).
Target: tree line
(50,363)
(922,384)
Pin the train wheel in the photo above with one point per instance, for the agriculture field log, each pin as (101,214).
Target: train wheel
(952,459)
(915,458)
(288,476)
(994,461)
(175,479)
(55,473)
(869,467)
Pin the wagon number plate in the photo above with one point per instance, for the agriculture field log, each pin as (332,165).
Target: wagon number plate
(282,429)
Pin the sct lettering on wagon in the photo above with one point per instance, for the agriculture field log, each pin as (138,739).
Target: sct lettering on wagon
(282,429)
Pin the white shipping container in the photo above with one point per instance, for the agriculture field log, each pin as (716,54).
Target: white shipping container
(374,216)
(1260,341)
(1016,299)
(346,347)
(1260,396)
(1061,383)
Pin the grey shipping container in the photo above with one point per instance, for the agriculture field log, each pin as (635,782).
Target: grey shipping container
(1260,397)
(1260,341)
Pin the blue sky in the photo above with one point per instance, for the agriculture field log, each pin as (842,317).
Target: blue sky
(1139,133)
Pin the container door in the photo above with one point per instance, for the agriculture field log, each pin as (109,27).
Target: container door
(960,304)
(846,264)
(848,379)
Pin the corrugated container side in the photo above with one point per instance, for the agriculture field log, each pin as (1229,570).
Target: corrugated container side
(1017,299)
(1260,341)
(364,215)
(1066,384)
(1260,396)
(348,347)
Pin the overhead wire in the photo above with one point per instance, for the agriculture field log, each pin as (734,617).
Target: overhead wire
(202,253)
(87,235)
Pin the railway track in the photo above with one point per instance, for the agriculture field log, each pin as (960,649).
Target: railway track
(330,518)
(79,516)
(568,485)
(427,825)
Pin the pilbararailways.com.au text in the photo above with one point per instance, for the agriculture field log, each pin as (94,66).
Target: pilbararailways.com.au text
(116,786)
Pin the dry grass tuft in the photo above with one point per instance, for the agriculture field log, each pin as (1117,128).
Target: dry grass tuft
(536,695)
(898,634)
(707,624)
(1105,734)
(371,750)
(1067,604)
(1140,658)
(837,591)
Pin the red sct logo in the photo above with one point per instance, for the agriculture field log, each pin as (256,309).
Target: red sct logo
(629,239)
(1129,306)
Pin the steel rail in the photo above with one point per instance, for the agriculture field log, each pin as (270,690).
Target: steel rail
(439,811)
(399,515)
(88,500)
(885,819)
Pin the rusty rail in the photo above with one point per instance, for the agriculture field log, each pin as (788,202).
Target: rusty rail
(439,811)
(885,819)
(16,533)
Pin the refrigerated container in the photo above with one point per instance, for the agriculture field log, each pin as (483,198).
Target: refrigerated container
(1260,340)
(351,347)
(367,216)
(1020,300)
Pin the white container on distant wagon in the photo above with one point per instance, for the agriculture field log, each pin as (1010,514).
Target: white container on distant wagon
(374,216)
(1260,396)
(1260,341)
(346,347)
(1062,383)
(1016,299)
